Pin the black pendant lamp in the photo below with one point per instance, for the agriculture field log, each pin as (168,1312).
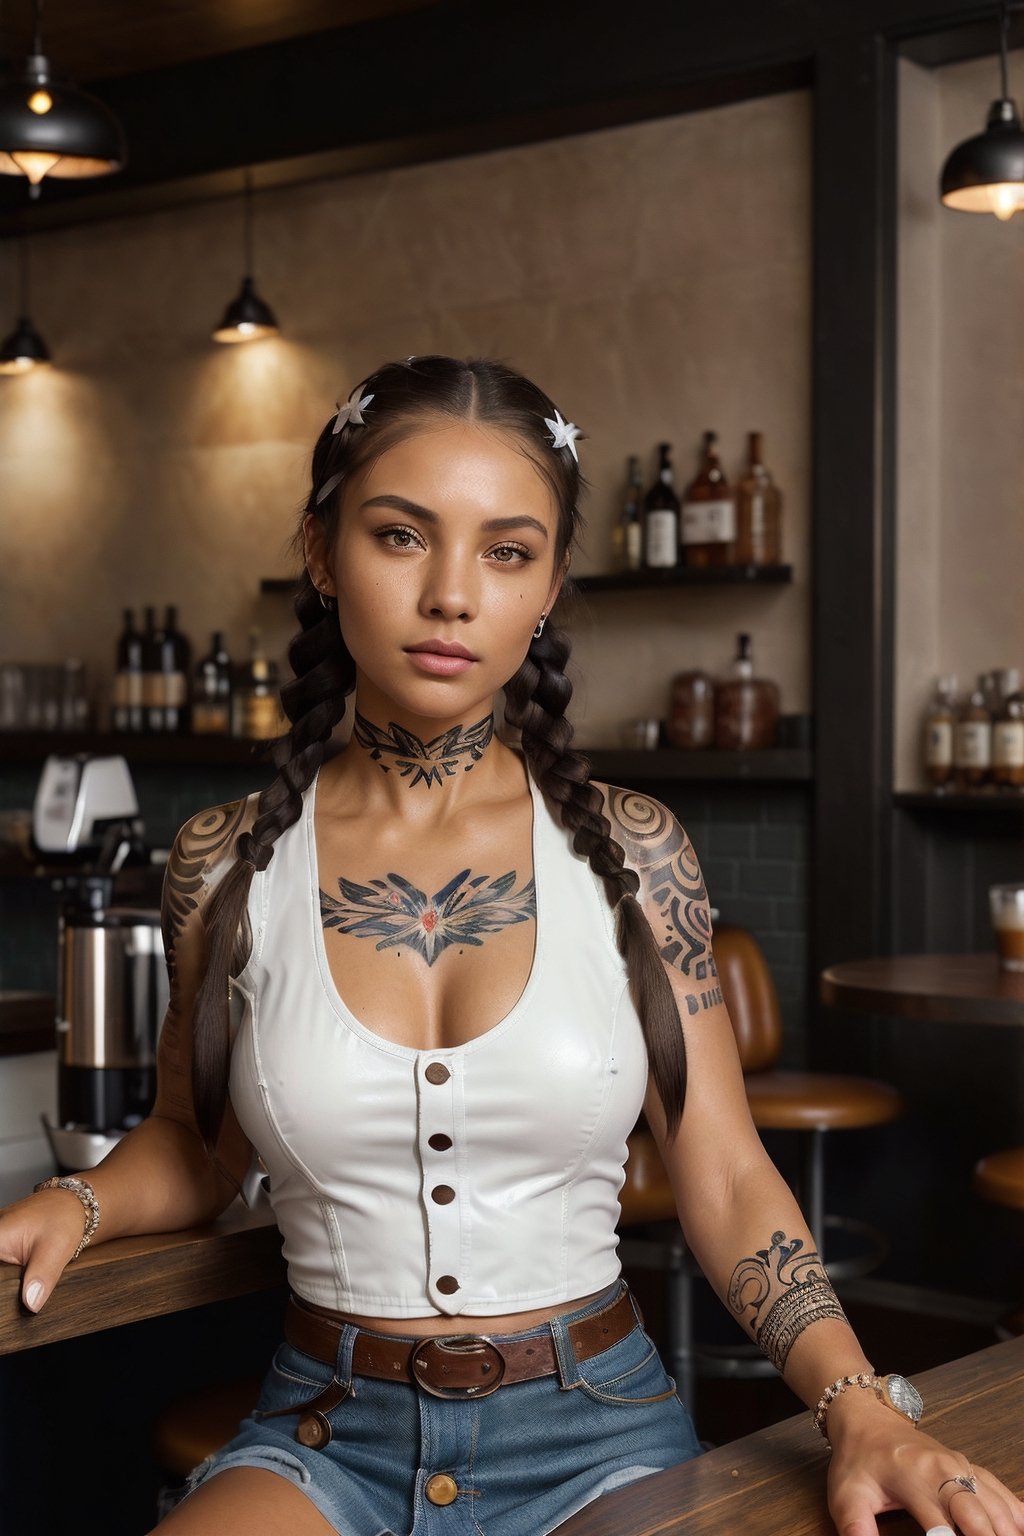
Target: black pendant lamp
(24,348)
(48,127)
(986,174)
(247,317)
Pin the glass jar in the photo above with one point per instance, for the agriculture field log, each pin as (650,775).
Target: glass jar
(691,722)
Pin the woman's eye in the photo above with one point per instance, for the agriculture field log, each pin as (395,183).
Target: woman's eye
(505,554)
(398,538)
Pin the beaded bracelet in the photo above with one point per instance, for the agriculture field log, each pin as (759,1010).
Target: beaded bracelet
(819,1413)
(87,1195)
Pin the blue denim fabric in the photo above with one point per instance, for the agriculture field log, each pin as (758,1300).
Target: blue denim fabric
(524,1459)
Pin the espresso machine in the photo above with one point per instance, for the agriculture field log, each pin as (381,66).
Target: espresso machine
(112,988)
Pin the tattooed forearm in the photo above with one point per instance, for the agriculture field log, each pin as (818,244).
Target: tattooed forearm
(424,762)
(660,852)
(199,844)
(780,1291)
(396,912)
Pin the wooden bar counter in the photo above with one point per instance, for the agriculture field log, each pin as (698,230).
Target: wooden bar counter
(774,1481)
(132,1278)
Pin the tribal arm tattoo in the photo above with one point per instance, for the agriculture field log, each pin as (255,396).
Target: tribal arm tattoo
(395,912)
(424,762)
(778,1292)
(660,852)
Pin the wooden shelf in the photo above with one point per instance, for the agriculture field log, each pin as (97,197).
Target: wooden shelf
(636,581)
(684,576)
(773,765)
(1006,802)
(161,751)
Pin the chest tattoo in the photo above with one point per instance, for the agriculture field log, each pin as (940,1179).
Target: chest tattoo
(395,912)
(424,762)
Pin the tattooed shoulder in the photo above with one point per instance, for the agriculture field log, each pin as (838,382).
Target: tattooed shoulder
(672,887)
(200,847)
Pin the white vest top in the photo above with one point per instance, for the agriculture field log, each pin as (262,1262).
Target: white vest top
(366,1141)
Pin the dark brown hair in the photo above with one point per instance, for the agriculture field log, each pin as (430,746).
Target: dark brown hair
(404,396)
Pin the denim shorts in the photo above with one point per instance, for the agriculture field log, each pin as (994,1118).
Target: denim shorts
(523,1459)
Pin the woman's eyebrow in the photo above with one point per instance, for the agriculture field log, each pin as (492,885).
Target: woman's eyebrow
(425,515)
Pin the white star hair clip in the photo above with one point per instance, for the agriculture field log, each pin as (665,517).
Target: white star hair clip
(351,411)
(563,434)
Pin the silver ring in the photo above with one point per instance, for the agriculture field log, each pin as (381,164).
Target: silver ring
(964,1484)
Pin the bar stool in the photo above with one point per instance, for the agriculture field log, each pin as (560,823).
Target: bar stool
(1000,1178)
(194,1426)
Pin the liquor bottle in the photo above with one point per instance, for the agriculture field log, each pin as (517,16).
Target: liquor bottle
(746,707)
(758,511)
(176,665)
(256,712)
(211,691)
(1008,733)
(709,512)
(661,516)
(126,713)
(152,674)
(937,737)
(629,542)
(972,740)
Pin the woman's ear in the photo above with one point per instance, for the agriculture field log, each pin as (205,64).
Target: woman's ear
(315,542)
(561,571)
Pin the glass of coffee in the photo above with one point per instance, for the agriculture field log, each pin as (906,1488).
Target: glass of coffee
(1007,905)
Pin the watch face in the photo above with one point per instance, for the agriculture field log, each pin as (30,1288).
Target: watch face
(904,1397)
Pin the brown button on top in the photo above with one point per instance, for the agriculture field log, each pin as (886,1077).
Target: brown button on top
(442,1194)
(437,1072)
(440,1142)
(313,1430)
(441,1488)
(447,1285)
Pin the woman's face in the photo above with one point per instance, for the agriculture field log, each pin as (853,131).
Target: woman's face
(443,563)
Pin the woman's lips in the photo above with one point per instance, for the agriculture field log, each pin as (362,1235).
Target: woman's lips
(441,658)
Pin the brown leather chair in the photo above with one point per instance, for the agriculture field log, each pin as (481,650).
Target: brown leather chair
(815,1104)
(194,1426)
(1000,1178)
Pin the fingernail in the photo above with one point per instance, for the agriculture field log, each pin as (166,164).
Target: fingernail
(940,1530)
(34,1295)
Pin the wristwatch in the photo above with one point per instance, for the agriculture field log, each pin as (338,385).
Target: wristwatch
(898,1393)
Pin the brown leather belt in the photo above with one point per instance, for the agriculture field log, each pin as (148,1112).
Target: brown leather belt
(461,1365)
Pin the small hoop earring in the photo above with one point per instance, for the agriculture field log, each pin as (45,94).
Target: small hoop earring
(540,626)
(327,601)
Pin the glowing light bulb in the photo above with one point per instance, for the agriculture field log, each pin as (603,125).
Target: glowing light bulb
(40,102)
(1006,197)
(33,164)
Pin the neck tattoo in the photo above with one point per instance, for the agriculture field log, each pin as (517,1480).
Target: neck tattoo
(397,914)
(426,762)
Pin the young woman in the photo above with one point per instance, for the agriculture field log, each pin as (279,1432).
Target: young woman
(460,971)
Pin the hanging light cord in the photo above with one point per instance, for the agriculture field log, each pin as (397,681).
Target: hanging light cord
(23,273)
(1006,10)
(248,223)
(37,26)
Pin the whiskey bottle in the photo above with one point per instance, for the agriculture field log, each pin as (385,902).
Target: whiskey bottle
(746,707)
(709,512)
(972,741)
(938,733)
(1008,733)
(126,710)
(661,516)
(211,691)
(176,665)
(256,712)
(152,674)
(758,511)
(630,543)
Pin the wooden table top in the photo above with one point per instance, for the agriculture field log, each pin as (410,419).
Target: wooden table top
(132,1278)
(942,989)
(774,1481)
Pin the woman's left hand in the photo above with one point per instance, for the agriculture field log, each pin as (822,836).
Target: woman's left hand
(880,1463)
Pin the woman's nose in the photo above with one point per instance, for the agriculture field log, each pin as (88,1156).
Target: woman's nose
(450,590)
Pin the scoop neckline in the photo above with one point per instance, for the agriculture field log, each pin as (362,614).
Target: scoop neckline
(327,982)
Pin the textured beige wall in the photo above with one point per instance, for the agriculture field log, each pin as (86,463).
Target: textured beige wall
(961,574)
(655,279)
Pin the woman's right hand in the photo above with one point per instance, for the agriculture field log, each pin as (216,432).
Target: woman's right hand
(40,1233)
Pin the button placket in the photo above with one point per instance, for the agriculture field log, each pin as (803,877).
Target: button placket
(439,1191)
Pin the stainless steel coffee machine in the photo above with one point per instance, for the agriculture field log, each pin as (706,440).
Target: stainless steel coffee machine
(112,979)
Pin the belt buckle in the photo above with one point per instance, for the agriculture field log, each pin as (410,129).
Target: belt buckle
(428,1363)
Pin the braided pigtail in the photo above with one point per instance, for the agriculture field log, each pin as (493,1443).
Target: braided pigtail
(535,702)
(314,701)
